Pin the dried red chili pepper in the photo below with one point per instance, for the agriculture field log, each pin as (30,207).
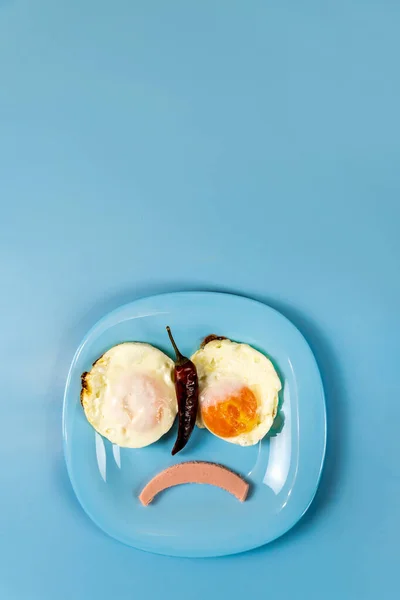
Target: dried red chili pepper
(187,393)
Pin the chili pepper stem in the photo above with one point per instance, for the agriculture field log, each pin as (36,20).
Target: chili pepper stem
(179,356)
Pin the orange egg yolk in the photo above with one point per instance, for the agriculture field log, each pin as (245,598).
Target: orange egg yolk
(232,415)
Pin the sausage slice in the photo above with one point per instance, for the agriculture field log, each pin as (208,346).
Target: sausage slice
(195,472)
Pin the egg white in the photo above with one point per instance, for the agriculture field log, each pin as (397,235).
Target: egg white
(129,395)
(226,365)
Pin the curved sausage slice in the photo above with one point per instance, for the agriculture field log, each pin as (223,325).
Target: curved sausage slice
(195,472)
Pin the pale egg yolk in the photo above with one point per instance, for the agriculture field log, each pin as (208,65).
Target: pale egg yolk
(232,415)
(139,401)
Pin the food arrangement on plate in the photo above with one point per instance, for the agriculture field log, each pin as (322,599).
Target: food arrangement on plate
(134,391)
(218,410)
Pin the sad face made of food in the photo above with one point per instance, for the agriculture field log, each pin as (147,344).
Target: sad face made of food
(134,391)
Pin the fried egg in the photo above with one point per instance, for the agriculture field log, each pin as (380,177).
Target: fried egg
(238,391)
(129,394)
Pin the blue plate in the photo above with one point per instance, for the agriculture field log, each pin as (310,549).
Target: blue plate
(200,520)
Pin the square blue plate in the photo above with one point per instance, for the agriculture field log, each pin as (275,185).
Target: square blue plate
(200,520)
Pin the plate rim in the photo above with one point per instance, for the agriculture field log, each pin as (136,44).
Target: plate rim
(193,554)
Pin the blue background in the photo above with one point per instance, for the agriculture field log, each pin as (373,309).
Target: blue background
(154,146)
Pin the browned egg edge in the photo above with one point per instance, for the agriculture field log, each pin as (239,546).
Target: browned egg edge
(211,338)
(84,379)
